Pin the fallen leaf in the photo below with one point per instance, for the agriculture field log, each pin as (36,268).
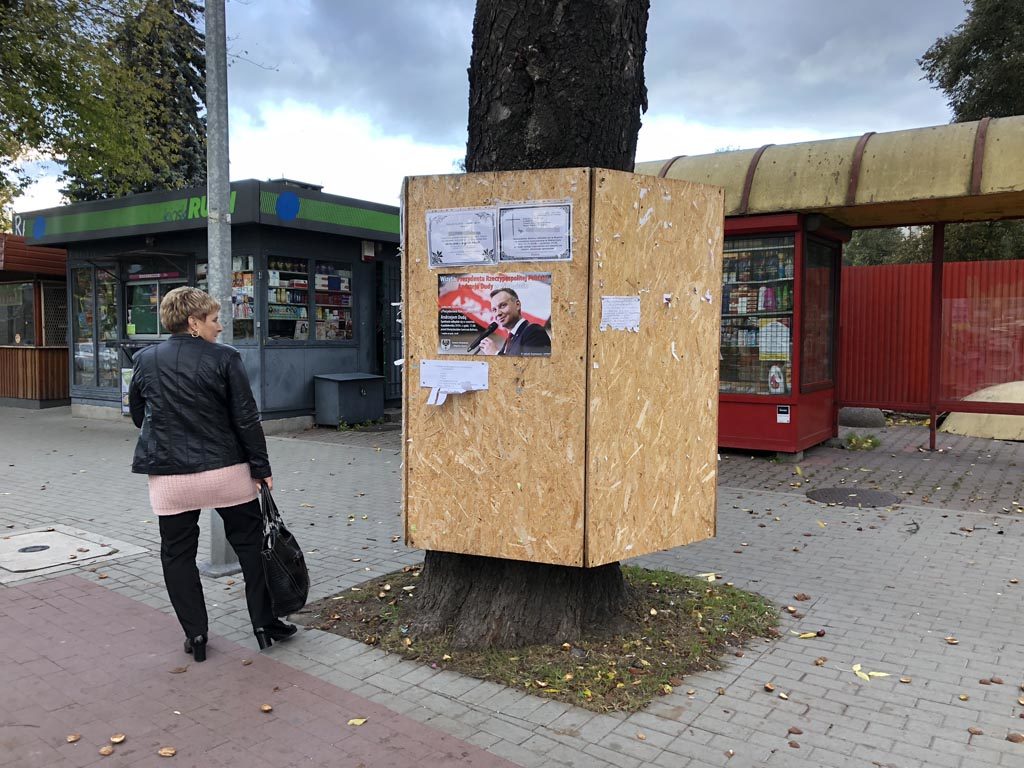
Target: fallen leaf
(246,662)
(446,657)
(963,697)
(117,738)
(307,506)
(357,721)
(807,635)
(794,731)
(769,687)
(167,751)
(178,670)
(641,736)
(952,640)
(266,708)
(878,674)
(996,680)
(106,750)
(820,661)
(71,738)
(729,753)
(975,731)
(1016,738)
(801,596)
(905,679)
(784,696)
(794,745)
(822,523)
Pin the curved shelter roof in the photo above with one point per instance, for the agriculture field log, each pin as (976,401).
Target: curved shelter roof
(946,173)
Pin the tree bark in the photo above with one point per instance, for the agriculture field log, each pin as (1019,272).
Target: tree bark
(552,84)
(556,84)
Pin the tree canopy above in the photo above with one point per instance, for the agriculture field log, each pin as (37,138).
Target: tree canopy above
(980,64)
(76,86)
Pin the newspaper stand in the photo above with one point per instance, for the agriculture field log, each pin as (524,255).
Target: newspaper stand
(605,449)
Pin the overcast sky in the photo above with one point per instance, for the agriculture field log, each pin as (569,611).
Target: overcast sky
(354,95)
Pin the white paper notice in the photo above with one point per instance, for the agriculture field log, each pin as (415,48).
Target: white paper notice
(535,232)
(620,313)
(444,378)
(461,236)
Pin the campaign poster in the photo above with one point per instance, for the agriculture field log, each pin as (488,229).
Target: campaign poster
(494,314)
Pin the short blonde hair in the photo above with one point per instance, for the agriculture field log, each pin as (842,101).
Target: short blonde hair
(179,305)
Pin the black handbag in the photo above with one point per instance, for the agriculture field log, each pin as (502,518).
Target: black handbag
(284,565)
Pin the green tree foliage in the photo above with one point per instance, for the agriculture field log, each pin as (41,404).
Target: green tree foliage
(980,65)
(894,245)
(980,68)
(91,84)
(161,51)
(57,80)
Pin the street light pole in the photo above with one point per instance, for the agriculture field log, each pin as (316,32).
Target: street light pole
(218,227)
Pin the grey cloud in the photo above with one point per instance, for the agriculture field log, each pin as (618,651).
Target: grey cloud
(836,67)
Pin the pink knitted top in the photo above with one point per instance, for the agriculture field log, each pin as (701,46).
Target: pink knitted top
(225,487)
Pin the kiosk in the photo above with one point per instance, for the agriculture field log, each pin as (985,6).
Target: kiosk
(315,283)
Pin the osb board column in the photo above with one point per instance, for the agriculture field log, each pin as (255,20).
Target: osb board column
(498,472)
(653,394)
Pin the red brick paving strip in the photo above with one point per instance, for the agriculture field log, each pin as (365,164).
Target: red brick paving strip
(78,658)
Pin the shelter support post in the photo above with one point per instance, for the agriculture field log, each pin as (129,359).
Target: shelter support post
(935,336)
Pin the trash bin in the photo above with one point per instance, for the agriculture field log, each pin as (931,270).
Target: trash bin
(353,398)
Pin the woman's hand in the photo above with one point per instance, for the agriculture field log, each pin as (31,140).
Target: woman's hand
(268,481)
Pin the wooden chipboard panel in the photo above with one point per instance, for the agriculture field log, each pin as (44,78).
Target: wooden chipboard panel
(653,394)
(498,472)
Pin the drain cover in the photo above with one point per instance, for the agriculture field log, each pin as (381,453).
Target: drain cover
(849,497)
(36,550)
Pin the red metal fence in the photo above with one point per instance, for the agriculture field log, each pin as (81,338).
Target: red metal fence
(884,331)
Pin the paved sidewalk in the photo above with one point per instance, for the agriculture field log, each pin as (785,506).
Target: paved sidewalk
(887,586)
(82,659)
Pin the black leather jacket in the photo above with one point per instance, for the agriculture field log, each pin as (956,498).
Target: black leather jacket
(196,409)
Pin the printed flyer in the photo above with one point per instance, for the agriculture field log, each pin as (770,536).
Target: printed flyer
(494,314)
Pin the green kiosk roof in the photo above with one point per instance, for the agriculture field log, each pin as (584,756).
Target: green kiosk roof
(273,203)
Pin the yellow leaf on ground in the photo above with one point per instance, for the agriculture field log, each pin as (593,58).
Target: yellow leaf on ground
(878,674)
(357,721)
(807,635)
(861,675)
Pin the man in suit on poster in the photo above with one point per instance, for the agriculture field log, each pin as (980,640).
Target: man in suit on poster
(524,338)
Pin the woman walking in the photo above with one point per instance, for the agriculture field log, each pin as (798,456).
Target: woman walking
(202,446)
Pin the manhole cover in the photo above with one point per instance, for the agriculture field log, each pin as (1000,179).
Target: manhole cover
(36,550)
(55,548)
(849,497)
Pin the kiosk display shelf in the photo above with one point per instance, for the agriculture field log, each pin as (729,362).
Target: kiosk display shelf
(757,315)
(332,296)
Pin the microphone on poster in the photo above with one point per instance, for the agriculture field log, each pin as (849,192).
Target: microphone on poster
(483,335)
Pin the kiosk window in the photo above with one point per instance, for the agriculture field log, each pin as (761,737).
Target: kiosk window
(17,314)
(82,321)
(144,308)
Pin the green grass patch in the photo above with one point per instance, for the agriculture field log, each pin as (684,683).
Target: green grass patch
(675,625)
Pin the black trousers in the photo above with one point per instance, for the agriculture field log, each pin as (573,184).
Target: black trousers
(179,543)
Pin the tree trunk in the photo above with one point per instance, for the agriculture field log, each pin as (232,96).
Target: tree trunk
(556,84)
(552,84)
(489,602)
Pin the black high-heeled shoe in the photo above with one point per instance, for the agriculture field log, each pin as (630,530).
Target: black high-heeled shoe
(196,646)
(276,630)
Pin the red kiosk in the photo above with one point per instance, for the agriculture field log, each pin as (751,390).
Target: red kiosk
(780,292)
